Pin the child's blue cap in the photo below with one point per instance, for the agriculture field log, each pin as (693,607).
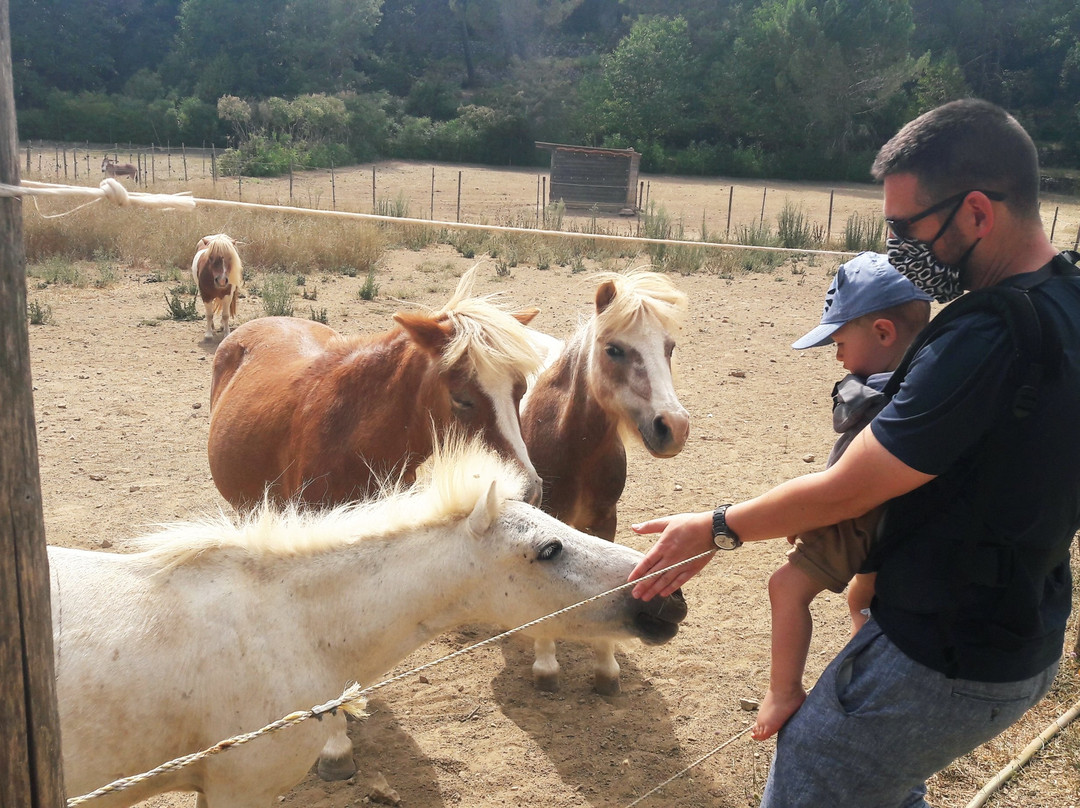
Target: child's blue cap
(865,284)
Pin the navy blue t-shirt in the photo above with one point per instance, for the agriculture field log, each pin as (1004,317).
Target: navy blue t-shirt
(1009,485)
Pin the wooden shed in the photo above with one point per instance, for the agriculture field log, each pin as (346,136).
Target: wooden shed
(584,177)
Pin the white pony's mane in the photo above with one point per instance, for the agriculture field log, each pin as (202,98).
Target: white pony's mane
(638,292)
(448,486)
(494,340)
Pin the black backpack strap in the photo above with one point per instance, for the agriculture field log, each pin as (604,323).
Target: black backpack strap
(1012,305)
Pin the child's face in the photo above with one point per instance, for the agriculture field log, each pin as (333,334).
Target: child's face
(864,348)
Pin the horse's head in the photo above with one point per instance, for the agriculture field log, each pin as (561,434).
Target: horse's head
(633,336)
(105,162)
(218,260)
(537,565)
(480,382)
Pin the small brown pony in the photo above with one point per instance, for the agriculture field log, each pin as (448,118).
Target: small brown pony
(219,275)
(112,169)
(298,411)
(611,383)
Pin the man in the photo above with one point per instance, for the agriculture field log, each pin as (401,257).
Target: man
(973,586)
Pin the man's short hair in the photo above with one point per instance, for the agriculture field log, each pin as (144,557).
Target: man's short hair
(969,144)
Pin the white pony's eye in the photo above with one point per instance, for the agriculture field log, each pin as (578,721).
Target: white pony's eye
(549,551)
(614,351)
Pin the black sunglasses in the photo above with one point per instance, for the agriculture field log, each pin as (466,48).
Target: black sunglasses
(901,228)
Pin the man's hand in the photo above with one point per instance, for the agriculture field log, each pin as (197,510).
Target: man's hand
(682,536)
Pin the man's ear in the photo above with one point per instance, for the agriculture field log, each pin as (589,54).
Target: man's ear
(884,331)
(982,212)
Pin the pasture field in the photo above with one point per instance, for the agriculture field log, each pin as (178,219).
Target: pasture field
(122,408)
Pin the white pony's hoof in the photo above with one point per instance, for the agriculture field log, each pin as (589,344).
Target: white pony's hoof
(546,682)
(606,686)
(336,768)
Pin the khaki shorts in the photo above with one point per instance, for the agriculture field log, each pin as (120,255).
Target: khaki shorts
(832,555)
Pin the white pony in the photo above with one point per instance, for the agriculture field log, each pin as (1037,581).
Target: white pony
(216,629)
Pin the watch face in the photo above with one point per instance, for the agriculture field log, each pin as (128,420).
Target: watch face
(724,541)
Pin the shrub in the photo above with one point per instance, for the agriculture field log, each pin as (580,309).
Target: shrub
(179,308)
(864,233)
(277,293)
(370,289)
(39,314)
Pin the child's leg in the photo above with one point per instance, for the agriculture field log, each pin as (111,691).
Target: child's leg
(860,593)
(790,592)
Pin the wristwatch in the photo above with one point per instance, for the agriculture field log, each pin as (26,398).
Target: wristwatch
(723,536)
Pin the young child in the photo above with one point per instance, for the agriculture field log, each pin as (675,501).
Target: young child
(872,314)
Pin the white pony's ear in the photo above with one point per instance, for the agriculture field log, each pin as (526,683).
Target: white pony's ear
(483,514)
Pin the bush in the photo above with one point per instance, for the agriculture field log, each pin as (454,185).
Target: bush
(277,295)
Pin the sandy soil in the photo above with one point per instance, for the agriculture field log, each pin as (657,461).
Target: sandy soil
(122,406)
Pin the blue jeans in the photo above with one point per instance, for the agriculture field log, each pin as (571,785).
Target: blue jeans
(877,724)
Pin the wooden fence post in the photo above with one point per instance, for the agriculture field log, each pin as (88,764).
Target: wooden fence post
(432,214)
(828,227)
(730,198)
(30,740)
(459,196)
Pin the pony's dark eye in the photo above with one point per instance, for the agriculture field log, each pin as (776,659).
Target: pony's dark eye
(549,551)
(461,403)
(614,351)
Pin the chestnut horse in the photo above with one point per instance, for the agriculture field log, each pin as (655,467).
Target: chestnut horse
(112,169)
(300,411)
(611,383)
(219,275)
(215,629)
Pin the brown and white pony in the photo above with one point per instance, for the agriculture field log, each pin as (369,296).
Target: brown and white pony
(219,275)
(112,169)
(611,384)
(298,411)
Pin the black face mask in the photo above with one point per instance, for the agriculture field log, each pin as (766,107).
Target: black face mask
(916,261)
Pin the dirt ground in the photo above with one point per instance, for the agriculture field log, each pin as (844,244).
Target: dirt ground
(122,407)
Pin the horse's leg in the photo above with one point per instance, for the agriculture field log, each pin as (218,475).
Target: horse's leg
(546,667)
(226,304)
(209,306)
(606,672)
(336,759)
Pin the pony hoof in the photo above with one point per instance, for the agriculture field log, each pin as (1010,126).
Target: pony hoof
(607,687)
(547,682)
(341,768)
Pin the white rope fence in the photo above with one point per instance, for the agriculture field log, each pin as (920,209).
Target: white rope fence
(113,191)
(347,701)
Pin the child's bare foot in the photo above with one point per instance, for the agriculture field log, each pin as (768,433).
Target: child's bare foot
(776,708)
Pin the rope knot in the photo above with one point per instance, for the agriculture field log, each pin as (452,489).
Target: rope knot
(115,192)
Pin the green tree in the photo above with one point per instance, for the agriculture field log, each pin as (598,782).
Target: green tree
(650,82)
(821,78)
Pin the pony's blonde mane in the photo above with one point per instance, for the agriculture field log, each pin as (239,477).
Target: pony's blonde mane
(496,343)
(639,292)
(223,246)
(448,486)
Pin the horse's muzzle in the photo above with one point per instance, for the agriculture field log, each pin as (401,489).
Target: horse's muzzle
(657,620)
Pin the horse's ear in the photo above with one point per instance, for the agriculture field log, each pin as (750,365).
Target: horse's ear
(429,333)
(605,293)
(484,512)
(525,316)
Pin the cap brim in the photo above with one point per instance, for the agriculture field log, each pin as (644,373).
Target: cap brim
(822,335)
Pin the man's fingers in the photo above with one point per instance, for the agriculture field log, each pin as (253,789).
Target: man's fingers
(652,526)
